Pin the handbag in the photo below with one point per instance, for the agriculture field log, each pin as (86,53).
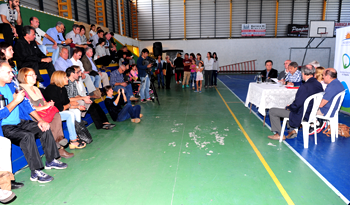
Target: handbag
(82,132)
(48,114)
(164,72)
(157,72)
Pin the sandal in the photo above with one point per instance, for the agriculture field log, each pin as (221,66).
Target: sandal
(136,120)
(106,126)
(111,125)
(79,146)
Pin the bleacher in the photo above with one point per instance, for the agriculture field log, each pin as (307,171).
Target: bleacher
(47,21)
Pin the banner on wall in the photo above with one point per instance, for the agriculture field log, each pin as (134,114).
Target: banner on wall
(342,62)
(340,25)
(297,30)
(253,29)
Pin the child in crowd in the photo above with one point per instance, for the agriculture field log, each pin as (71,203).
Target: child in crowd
(193,74)
(199,78)
(119,109)
(134,77)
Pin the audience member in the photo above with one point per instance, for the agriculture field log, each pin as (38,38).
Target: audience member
(215,69)
(315,64)
(22,131)
(74,34)
(62,63)
(97,115)
(123,60)
(6,176)
(319,76)
(283,74)
(34,22)
(169,67)
(269,72)
(145,83)
(94,92)
(193,76)
(27,54)
(10,16)
(69,111)
(119,109)
(295,110)
(27,78)
(199,79)
(92,30)
(187,71)
(118,82)
(95,37)
(56,33)
(159,70)
(102,55)
(208,70)
(6,54)
(293,77)
(198,58)
(91,68)
(111,45)
(129,56)
(7,180)
(179,68)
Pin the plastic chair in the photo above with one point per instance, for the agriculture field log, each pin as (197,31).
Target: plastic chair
(312,118)
(333,121)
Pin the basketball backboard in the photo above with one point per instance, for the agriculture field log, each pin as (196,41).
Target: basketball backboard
(321,29)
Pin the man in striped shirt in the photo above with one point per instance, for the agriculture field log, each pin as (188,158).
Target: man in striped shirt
(294,76)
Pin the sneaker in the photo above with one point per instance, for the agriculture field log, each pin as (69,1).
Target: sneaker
(143,101)
(149,99)
(195,91)
(180,81)
(183,86)
(55,164)
(41,86)
(187,86)
(40,176)
(311,130)
(200,91)
(321,126)
(6,196)
(177,82)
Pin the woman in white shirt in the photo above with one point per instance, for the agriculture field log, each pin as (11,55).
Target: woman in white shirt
(208,70)
(102,56)
(92,30)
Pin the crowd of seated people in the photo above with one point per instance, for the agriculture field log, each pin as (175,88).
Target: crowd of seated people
(37,113)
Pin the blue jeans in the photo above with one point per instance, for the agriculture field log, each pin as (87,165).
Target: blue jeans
(215,77)
(96,80)
(55,52)
(193,79)
(144,90)
(129,111)
(69,117)
(127,89)
(160,78)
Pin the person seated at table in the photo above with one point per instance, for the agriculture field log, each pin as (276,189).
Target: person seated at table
(294,76)
(319,76)
(269,72)
(334,87)
(295,110)
(118,107)
(283,74)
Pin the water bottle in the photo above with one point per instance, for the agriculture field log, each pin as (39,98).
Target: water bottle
(3,101)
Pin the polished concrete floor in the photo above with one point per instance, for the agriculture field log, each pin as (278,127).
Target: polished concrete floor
(195,148)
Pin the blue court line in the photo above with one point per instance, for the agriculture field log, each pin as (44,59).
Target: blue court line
(331,160)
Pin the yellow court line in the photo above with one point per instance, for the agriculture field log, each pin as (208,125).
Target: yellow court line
(267,167)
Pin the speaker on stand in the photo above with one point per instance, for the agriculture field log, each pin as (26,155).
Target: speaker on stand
(157,49)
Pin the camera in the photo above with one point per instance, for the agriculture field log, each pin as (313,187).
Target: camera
(148,61)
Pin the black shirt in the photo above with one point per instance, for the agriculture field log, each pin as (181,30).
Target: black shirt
(114,110)
(58,95)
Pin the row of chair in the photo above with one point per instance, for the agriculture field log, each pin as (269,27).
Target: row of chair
(333,121)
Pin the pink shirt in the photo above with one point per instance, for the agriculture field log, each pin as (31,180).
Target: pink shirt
(193,68)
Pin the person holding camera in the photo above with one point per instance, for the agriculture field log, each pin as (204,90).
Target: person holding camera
(118,107)
(144,67)
(117,80)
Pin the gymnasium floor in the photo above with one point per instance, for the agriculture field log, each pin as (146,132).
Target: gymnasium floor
(195,148)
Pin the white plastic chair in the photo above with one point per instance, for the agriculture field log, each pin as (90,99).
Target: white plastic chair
(333,121)
(312,118)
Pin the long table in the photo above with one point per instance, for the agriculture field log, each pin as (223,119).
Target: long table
(266,96)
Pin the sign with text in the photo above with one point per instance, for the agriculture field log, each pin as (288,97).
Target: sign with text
(340,25)
(297,30)
(253,29)
(342,61)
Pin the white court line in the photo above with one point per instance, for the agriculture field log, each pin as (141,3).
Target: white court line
(228,76)
(302,158)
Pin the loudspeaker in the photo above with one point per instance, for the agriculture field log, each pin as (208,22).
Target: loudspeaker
(157,49)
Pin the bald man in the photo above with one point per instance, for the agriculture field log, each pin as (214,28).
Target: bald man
(284,73)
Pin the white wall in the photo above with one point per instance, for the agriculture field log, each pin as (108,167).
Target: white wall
(232,51)
(126,40)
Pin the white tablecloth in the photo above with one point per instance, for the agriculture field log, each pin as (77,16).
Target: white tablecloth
(266,96)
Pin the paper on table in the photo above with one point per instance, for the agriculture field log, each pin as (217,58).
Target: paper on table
(274,79)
